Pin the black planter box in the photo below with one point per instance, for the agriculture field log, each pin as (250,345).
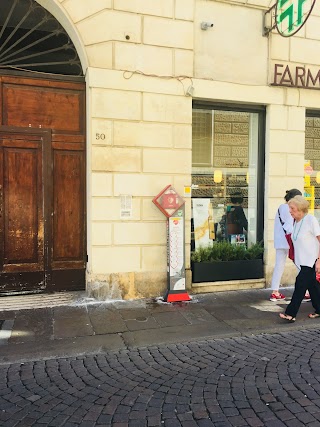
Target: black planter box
(227,270)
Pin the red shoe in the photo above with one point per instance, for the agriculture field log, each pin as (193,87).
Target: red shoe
(277,297)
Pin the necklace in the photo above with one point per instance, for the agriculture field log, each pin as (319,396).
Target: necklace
(294,237)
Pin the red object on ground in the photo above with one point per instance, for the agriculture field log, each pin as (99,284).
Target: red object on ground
(177,297)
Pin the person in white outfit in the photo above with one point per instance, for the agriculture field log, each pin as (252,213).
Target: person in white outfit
(306,241)
(280,242)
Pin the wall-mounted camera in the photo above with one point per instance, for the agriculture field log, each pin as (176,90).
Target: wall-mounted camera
(206,25)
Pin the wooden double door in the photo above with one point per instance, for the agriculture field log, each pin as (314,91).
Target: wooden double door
(42,189)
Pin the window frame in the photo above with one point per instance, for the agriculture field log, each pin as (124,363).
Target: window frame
(261,111)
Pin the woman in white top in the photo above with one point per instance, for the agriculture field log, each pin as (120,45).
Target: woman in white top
(280,242)
(306,242)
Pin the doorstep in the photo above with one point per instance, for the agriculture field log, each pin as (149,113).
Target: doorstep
(230,285)
(36,300)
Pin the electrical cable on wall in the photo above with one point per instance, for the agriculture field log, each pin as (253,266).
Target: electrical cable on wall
(187,92)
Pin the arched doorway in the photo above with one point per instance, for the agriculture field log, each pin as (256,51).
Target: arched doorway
(42,153)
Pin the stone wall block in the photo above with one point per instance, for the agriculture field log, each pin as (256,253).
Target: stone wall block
(140,134)
(280,47)
(101,79)
(184,9)
(151,284)
(101,55)
(297,118)
(113,159)
(106,260)
(154,258)
(148,59)
(81,9)
(101,184)
(295,165)
(313,27)
(140,233)
(155,7)
(167,108)
(277,164)
(110,25)
(168,32)
(101,234)
(108,209)
(101,132)
(182,136)
(143,185)
(183,65)
(278,117)
(286,141)
(116,104)
(302,50)
(167,162)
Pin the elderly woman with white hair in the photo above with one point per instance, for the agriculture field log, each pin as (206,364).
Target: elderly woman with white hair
(306,241)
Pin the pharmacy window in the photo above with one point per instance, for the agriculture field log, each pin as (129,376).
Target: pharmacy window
(227,175)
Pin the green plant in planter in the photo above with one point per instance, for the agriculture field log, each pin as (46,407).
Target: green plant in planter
(225,251)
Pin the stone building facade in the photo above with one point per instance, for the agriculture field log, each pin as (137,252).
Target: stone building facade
(146,64)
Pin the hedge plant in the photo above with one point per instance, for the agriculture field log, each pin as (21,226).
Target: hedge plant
(225,251)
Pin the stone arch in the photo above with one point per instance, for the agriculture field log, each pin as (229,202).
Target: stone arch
(55,8)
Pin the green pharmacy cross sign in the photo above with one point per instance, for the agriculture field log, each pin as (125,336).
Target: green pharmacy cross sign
(291,15)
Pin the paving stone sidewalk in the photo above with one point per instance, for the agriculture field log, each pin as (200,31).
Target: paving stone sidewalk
(89,327)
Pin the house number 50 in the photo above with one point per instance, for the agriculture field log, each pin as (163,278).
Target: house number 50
(101,136)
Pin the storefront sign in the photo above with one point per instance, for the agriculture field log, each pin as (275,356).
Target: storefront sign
(302,77)
(291,15)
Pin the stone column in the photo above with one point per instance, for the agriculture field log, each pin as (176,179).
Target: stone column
(285,145)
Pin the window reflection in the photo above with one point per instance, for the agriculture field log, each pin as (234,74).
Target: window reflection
(224,180)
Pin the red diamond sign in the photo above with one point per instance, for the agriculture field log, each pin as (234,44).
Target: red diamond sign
(168,201)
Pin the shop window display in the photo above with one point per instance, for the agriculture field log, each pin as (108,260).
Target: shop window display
(224,178)
(312,163)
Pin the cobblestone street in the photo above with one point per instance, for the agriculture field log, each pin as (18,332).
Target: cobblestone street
(267,380)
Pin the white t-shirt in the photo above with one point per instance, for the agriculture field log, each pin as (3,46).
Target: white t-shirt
(280,242)
(305,242)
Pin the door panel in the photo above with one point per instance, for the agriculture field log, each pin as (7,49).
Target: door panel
(68,237)
(22,211)
(41,106)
